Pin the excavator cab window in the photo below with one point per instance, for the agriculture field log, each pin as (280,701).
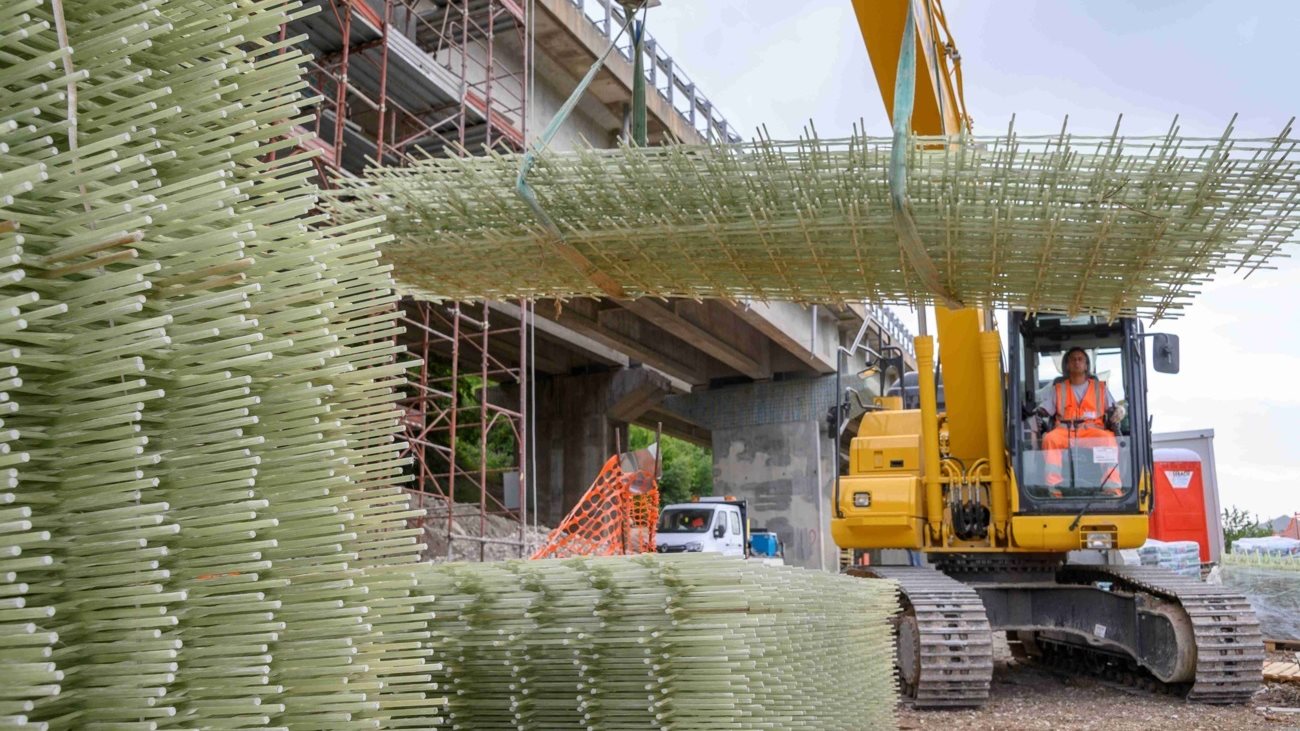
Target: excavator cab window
(1070,423)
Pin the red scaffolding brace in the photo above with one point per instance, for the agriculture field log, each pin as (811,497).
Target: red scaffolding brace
(472,388)
(398,79)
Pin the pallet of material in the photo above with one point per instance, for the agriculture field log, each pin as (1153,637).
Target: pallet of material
(1282,645)
(1282,672)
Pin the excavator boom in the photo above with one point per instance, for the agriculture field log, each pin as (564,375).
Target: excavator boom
(940,106)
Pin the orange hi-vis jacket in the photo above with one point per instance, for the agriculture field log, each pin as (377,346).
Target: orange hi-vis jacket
(1088,413)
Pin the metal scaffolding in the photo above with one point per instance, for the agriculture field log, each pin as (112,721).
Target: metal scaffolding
(398,79)
(393,81)
(467,424)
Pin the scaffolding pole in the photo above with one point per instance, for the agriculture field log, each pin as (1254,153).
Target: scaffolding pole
(469,353)
(401,79)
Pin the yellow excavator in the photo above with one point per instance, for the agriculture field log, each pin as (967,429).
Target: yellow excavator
(1016,468)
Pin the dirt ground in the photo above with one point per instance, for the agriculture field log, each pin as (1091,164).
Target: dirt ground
(1026,697)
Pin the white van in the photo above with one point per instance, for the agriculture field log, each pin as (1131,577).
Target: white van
(711,525)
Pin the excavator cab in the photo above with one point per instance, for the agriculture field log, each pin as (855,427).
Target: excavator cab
(1061,465)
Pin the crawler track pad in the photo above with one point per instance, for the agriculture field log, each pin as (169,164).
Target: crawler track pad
(945,645)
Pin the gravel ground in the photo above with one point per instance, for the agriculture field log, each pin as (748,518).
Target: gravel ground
(1025,697)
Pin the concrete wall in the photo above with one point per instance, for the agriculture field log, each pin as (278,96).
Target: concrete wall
(508,60)
(574,437)
(812,332)
(590,121)
(581,128)
(771,446)
(775,468)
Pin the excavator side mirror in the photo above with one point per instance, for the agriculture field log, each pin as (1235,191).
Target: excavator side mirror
(1164,353)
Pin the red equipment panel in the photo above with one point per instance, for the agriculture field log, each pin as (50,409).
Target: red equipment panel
(1179,513)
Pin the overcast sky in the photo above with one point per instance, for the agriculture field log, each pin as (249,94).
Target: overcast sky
(781,63)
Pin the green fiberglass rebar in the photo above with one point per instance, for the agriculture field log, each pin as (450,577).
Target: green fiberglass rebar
(200,517)
(1114,225)
(649,642)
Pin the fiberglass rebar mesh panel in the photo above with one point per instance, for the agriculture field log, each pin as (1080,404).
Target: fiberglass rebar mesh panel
(1111,225)
(649,642)
(199,519)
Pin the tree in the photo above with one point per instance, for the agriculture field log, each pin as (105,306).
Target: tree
(1237,523)
(686,470)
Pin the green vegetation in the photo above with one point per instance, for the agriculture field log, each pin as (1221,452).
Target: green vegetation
(687,469)
(1237,523)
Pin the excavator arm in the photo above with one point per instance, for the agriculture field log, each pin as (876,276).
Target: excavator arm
(940,106)
(971,365)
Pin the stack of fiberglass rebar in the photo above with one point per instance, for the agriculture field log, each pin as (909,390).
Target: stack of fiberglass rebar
(197,457)
(686,642)
(200,518)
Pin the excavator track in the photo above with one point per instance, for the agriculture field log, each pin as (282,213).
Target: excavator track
(1229,646)
(945,644)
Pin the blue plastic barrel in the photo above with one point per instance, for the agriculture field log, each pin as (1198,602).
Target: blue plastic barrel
(763,544)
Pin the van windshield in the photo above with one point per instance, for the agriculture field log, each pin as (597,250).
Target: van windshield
(685,520)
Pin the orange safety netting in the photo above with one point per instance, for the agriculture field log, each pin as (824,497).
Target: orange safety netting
(616,516)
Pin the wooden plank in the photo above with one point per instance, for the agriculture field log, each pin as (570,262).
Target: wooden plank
(1282,672)
(1282,645)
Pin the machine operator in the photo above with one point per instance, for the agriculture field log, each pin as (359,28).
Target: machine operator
(1084,410)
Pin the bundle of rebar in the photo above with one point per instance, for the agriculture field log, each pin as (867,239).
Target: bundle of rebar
(1285,562)
(1112,225)
(200,517)
(649,642)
